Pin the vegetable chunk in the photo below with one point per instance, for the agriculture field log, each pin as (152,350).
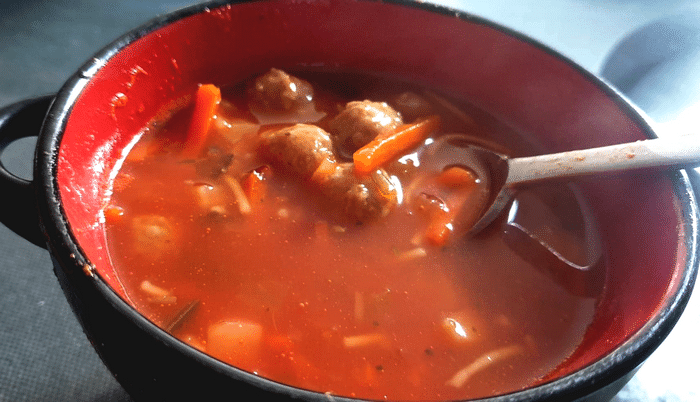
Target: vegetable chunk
(236,341)
(154,236)
(387,147)
(207,99)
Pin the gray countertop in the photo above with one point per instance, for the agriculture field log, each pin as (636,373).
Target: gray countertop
(43,352)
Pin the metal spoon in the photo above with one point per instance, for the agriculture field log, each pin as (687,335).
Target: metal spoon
(507,174)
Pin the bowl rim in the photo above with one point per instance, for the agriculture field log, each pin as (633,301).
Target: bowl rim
(65,248)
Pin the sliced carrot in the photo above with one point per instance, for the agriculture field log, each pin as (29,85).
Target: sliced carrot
(440,229)
(113,213)
(387,147)
(458,177)
(462,184)
(253,187)
(442,226)
(253,184)
(323,171)
(207,99)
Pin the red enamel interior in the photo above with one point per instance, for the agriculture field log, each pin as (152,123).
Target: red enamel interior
(536,92)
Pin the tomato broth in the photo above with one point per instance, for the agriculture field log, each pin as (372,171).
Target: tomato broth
(290,269)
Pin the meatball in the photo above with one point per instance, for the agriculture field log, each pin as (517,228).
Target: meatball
(365,201)
(360,122)
(362,198)
(412,106)
(301,148)
(278,92)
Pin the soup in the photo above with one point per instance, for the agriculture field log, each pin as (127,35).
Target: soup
(312,229)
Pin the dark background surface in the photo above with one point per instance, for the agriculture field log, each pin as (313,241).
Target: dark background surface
(647,48)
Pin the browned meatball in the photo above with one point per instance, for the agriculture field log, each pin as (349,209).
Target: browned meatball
(360,122)
(412,106)
(362,198)
(301,148)
(364,201)
(277,91)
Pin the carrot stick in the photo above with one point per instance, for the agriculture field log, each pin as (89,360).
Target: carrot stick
(323,171)
(442,225)
(387,147)
(440,229)
(207,98)
(458,177)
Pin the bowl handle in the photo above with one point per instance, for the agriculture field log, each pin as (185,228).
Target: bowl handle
(18,209)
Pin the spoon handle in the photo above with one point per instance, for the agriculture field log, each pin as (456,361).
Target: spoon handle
(673,151)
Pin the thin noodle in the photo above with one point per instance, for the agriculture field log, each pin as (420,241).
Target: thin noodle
(365,340)
(241,199)
(485,360)
(412,254)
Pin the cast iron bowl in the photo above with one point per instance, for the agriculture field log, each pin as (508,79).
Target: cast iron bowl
(649,222)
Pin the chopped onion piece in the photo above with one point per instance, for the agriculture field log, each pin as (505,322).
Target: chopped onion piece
(235,129)
(235,341)
(154,237)
(209,199)
(339,229)
(389,186)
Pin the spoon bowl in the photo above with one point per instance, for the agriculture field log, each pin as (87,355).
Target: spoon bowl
(507,174)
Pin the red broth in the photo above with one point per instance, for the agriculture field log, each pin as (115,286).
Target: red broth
(245,258)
